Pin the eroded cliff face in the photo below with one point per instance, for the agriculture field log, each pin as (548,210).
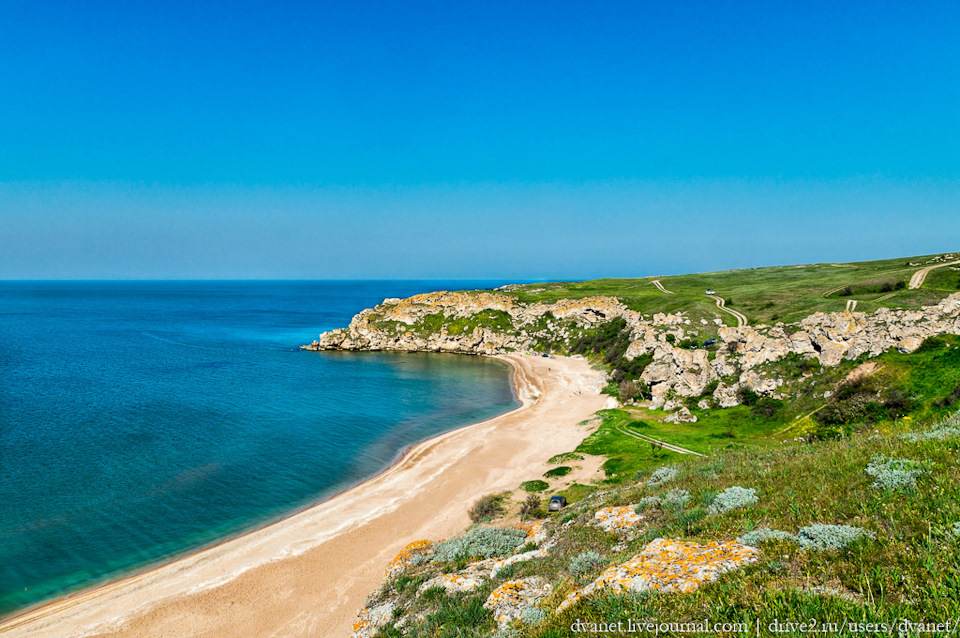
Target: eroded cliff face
(467,322)
(494,323)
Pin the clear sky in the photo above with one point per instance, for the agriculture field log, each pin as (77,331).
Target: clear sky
(514,140)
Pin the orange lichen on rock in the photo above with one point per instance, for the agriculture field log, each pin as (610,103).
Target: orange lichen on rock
(403,559)
(536,530)
(467,580)
(508,601)
(363,620)
(669,565)
(478,572)
(614,519)
(370,619)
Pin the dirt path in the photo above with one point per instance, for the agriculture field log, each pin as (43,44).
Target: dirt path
(722,305)
(656,282)
(833,290)
(663,444)
(921,275)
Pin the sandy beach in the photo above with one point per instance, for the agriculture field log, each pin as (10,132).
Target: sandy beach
(307,575)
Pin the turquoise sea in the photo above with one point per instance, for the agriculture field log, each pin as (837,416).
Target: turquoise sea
(142,420)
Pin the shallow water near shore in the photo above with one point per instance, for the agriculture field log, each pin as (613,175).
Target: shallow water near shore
(143,420)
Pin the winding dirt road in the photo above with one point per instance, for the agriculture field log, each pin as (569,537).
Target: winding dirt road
(722,305)
(921,275)
(663,444)
(656,282)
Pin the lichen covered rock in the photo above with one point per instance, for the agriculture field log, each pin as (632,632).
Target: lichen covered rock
(617,519)
(509,600)
(669,565)
(370,619)
(405,557)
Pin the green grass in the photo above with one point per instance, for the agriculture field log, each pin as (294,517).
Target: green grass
(534,486)
(928,378)
(945,279)
(910,570)
(625,454)
(717,430)
(765,295)
(496,320)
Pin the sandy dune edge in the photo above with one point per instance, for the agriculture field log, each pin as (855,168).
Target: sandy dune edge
(308,574)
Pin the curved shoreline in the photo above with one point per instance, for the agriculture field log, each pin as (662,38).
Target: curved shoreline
(134,574)
(339,547)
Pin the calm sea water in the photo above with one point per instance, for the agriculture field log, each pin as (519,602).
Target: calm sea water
(141,420)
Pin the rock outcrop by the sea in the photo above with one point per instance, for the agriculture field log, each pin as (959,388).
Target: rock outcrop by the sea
(495,323)
(467,322)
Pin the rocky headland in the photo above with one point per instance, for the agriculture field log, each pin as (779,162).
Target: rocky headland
(489,323)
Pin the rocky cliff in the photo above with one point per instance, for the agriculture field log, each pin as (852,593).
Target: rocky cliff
(494,323)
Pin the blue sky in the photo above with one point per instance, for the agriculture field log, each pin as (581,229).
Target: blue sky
(516,140)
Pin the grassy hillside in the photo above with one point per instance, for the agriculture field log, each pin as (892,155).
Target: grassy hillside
(900,489)
(852,473)
(767,295)
(924,386)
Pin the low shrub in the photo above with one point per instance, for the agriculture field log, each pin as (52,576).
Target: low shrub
(766,407)
(675,500)
(480,542)
(948,428)
(663,475)
(819,537)
(532,616)
(764,534)
(889,286)
(486,508)
(795,365)
(747,396)
(897,402)
(531,506)
(893,475)
(586,563)
(646,503)
(854,401)
(632,390)
(612,339)
(733,498)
